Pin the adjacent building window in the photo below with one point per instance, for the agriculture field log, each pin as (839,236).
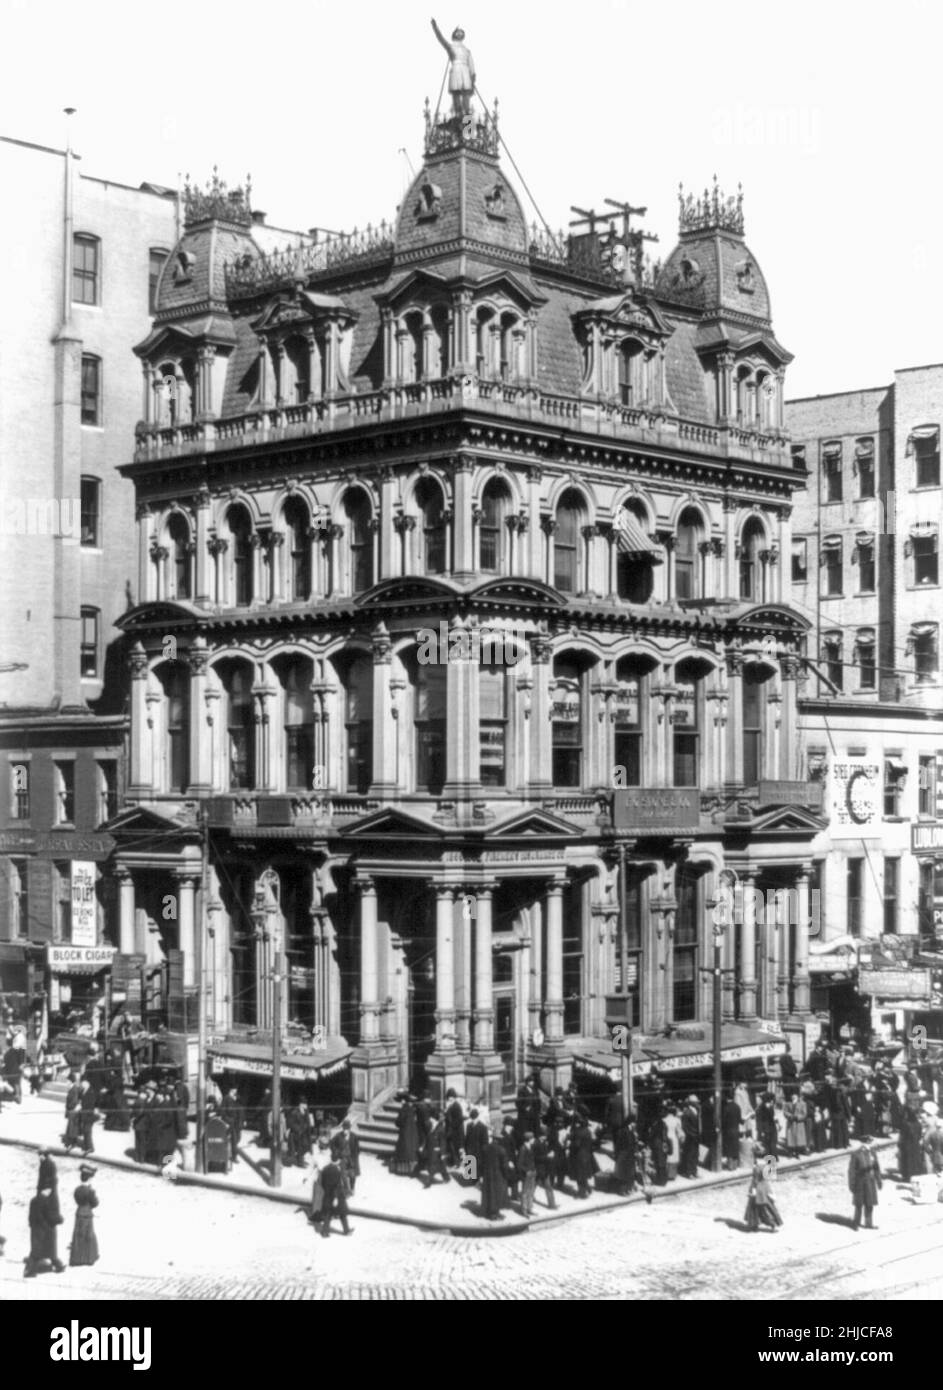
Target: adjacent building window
(854,879)
(924,549)
(107,791)
(19,791)
(86,268)
(926,787)
(65,793)
(832,657)
(863,557)
(90,494)
(800,560)
(91,389)
(155,264)
(832,564)
(924,642)
(831,464)
(430,727)
(891,895)
(567,715)
(88,653)
(866,661)
(19,896)
(492,725)
(864,467)
(894,773)
(359,724)
(924,443)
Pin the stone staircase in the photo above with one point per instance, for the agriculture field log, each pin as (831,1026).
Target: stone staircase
(378,1134)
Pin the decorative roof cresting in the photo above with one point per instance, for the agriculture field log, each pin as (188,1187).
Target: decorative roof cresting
(714,211)
(218,201)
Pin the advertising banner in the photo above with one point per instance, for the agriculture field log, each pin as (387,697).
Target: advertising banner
(855,799)
(83,903)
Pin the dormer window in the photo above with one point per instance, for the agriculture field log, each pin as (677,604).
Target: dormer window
(630,362)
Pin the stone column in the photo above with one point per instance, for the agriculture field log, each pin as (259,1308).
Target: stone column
(186,884)
(748,950)
(541,731)
(388,557)
(463,558)
(444,972)
(384,729)
(733,771)
(528,558)
(553,1004)
(201,578)
(369,1004)
(729,960)
(201,742)
(463,918)
(801,980)
(462,753)
(140,740)
(125,910)
(484,999)
(143,515)
(789,669)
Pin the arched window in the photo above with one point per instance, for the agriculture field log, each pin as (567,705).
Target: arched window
(299,724)
(566,542)
(358,512)
(636,557)
(765,388)
(440,341)
(754,699)
(483,342)
(358,723)
(430,722)
(751,576)
(181,555)
(684,946)
(687,716)
(413,364)
(567,717)
(429,502)
(686,555)
(630,363)
(240,529)
(495,506)
(176,685)
(511,340)
(297,525)
(492,724)
(744,392)
(236,679)
(631,706)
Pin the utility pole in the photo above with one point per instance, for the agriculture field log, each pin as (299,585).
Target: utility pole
(628,1098)
(277,977)
(201,996)
(716,1042)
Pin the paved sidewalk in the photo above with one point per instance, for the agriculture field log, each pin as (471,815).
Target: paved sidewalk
(380,1195)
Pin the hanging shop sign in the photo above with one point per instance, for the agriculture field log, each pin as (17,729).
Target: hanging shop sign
(855,799)
(895,984)
(926,837)
(65,960)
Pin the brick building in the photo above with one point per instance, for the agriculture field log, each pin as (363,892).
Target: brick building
(460,574)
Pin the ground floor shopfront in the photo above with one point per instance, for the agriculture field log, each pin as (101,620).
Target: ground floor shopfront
(409,956)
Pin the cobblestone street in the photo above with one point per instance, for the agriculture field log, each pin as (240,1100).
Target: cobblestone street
(692,1247)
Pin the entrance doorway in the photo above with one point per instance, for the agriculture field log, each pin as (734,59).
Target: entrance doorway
(505,1033)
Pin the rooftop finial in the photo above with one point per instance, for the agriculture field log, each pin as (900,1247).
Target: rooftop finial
(712,212)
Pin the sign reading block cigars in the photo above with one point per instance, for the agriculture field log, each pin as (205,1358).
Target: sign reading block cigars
(672,808)
(64,960)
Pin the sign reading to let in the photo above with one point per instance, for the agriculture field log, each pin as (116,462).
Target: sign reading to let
(83,904)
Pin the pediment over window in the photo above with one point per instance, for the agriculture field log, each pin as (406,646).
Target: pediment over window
(625,315)
(757,347)
(415,286)
(392,824)
(511,589)
(769,616)
(147,616)
(299,309)
(533,825)
(408,591)
(187,334)
(792,822)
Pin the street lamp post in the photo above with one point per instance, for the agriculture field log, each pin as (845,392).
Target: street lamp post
(628,1098)
(721,911)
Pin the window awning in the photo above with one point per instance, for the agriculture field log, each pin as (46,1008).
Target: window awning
(864,540)
(831,543)
(632,540)
(676,1054)
(895,766)
(831,451)
(256,1059)
(864,449)
(922,433)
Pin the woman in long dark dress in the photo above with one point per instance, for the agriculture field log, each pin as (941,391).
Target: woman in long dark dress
(406,1154)
(761,1208)
(658,1147)
(84,1248)
(494,1180)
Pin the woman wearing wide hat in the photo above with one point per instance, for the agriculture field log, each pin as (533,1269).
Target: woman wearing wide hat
(84,1248)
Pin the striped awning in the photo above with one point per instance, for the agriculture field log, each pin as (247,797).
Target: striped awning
(632,540)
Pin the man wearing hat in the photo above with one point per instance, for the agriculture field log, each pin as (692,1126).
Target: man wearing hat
(527,1171)
(44,1217)
(47,1179)
(864,1179)
(332,1185)
(691,1137)
(84,1247)
(345,1151)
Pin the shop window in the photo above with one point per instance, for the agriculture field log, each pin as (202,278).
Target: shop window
(891,895)
(567,726)
(19,791)
(492,724)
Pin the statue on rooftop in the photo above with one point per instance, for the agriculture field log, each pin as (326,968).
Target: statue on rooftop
(461,72)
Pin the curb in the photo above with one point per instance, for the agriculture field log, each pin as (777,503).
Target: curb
(511,1225)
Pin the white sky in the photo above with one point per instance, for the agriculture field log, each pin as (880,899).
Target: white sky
(827,112)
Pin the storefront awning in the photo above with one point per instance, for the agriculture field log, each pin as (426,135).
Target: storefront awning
(739,1043)
(256,1059)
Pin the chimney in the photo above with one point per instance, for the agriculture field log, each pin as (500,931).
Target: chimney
(258,217)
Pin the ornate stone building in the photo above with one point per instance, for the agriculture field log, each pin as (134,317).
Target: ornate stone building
(460,562)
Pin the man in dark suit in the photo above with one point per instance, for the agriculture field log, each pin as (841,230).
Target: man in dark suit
(300,1133)
(345,1151)
(72,1138)
(477,1138)
(690,1138)
(433,1152)
(527,1170)
(789,1074)
(44,1220)
(544,1167)
(508,1143)
(335,1198)
(233,1113)
(454,1129)
(864,1180)
(87,1115)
